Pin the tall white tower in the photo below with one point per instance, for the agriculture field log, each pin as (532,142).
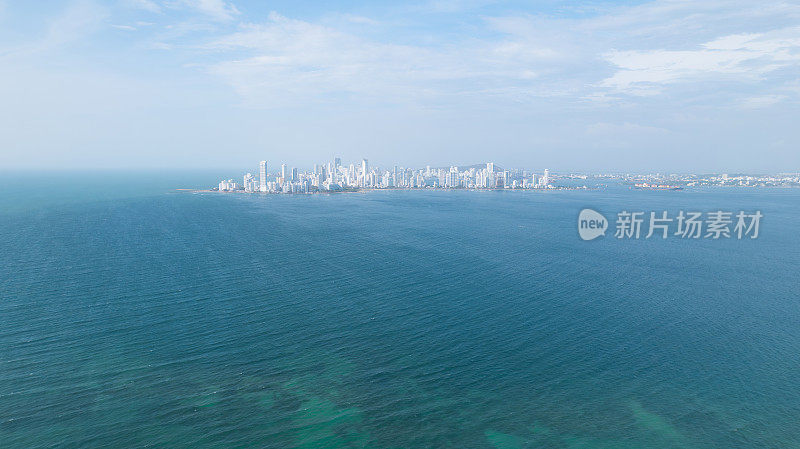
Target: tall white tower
(546,177)
(262,176)
(364,168)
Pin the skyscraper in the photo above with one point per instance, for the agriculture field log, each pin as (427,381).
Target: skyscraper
(364,168)
(262,176)
(283,172)
(351,173)
(249,184)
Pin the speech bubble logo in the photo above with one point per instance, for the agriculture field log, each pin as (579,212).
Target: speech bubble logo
(591,224)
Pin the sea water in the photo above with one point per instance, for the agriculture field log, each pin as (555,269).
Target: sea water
(134,315)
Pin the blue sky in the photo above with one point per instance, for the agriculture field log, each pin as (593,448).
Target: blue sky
(593,85)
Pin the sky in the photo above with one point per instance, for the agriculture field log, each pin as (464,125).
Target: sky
(667,85)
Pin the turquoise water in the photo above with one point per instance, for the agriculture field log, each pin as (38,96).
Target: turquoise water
(133,315)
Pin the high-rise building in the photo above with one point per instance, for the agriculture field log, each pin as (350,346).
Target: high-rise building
(364,169)
(248,183)
(491,180)
(546,177)
(262,176)
(452,179)
(294,174)
(283,172)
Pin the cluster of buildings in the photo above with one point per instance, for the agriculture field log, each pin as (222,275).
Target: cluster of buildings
(714,180)
(334,176)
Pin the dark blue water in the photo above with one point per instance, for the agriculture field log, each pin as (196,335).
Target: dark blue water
(133,315)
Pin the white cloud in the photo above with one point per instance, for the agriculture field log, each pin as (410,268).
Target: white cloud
(761,101)
(449,6)
(644,49)
(299,58)
(748,56)
(517,84)
(359,19)
(216,9)
(610,53)
(147,5)
(302,59)
(80,19)
(219,10)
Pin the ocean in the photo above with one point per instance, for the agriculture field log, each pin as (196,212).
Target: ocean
(135,315)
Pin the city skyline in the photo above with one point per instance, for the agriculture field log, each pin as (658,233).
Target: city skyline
(333,176)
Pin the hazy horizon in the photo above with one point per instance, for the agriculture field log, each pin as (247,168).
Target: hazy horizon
(623,86)
(228,171)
